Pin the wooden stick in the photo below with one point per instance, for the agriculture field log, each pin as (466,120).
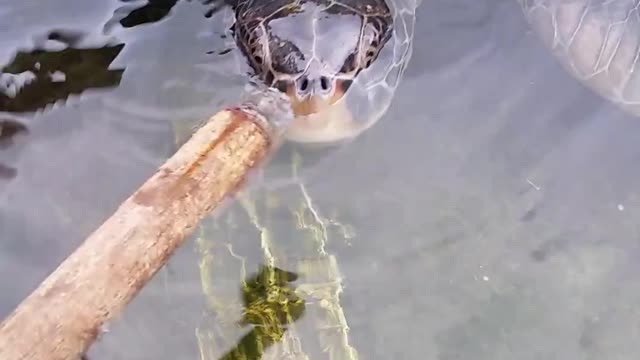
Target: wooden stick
(64,315)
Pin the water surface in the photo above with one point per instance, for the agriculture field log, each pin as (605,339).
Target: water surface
(494,207)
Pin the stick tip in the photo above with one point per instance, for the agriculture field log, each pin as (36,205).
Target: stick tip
(272,107)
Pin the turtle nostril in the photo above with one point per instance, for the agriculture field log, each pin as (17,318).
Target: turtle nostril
(324,83)
(304,84)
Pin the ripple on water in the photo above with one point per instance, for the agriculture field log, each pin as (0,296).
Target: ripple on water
(87,112)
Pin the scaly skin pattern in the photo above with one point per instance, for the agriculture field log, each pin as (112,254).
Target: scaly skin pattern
(597,41)
(282,54)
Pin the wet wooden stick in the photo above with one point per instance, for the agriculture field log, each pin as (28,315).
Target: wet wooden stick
(63,316)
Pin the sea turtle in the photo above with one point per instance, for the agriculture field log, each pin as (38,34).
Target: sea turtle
(597,41)
(338,61)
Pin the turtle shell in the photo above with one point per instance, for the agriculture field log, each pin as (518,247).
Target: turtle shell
(596,41)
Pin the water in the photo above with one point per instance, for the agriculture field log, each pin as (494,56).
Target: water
(494,207)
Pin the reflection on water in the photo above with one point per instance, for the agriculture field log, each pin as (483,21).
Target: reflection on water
(41,77)
(35,79)
(457,255)
(282,231)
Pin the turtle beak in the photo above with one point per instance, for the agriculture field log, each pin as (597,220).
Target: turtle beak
(313,101)
(320,118)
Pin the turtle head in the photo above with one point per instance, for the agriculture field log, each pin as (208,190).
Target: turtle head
(313,53)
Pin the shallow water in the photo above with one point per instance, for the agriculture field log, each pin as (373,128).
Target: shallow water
(494,207)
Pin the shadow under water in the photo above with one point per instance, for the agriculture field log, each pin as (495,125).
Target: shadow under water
(51,72)
(270,304)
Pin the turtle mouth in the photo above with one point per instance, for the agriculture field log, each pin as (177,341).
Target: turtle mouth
(321,118)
